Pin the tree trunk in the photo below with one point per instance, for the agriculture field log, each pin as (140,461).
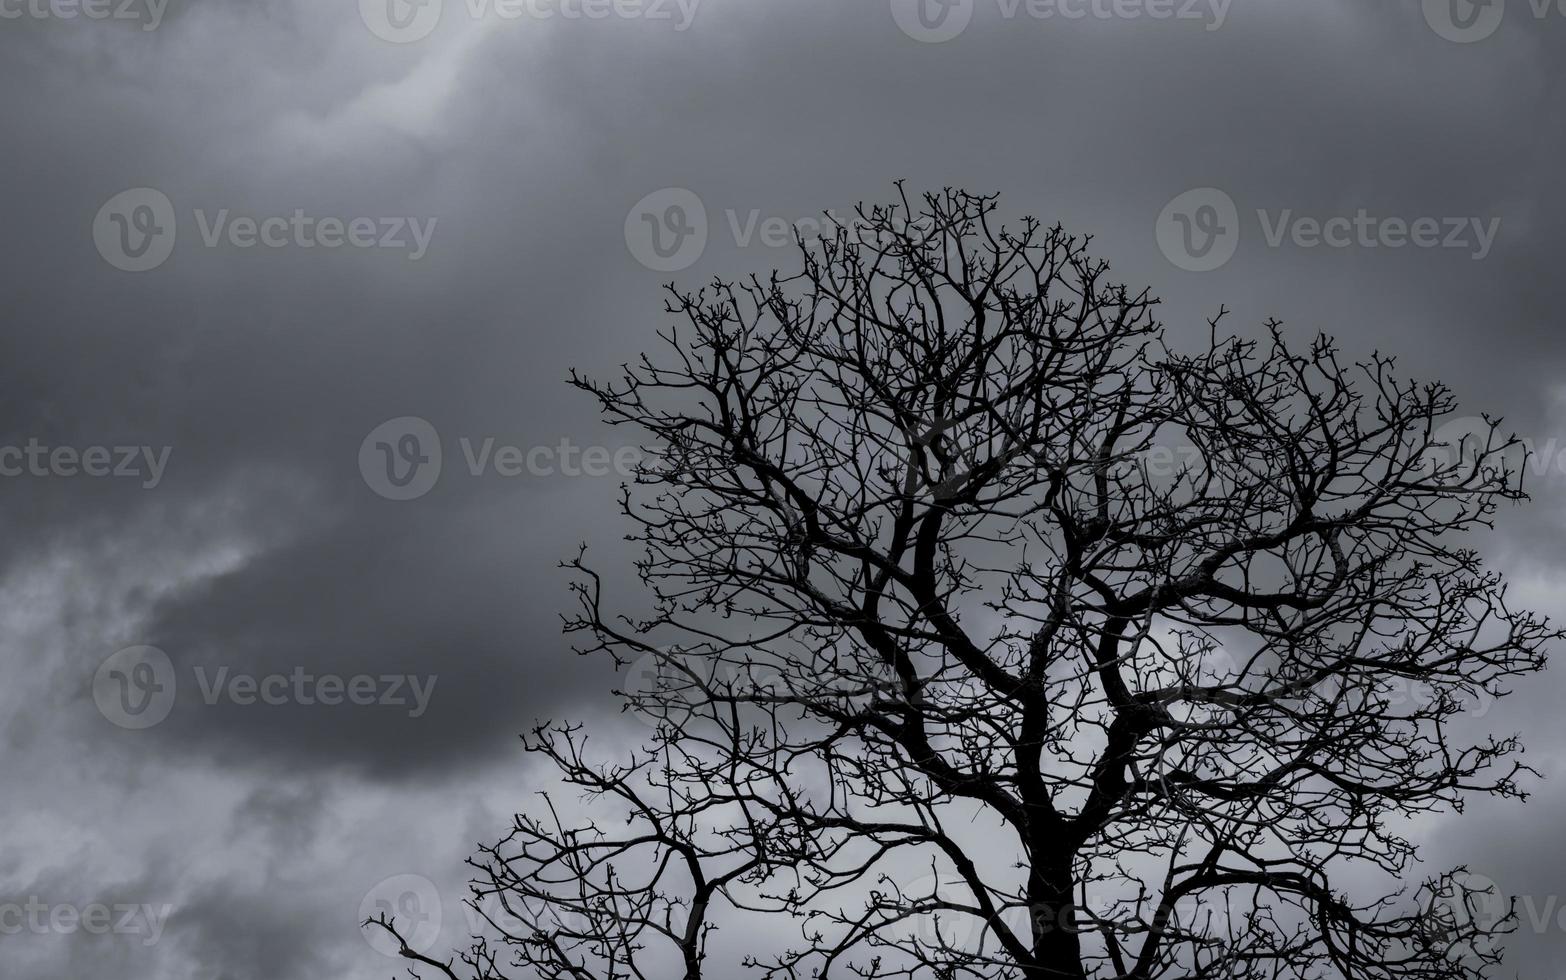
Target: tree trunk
(1057,949)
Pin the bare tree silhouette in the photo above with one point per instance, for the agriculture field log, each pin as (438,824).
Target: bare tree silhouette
(996,638)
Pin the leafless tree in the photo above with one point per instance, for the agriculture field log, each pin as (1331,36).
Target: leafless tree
(994,637)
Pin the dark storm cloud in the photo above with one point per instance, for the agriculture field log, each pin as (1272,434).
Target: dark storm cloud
(259,936)
(263,369)
(455,648)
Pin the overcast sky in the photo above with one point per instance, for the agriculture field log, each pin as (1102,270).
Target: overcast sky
(224,385)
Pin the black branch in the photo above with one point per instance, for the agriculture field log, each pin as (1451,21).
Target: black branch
(995,638)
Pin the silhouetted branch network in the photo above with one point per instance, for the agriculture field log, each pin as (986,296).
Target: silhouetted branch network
(995,638)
